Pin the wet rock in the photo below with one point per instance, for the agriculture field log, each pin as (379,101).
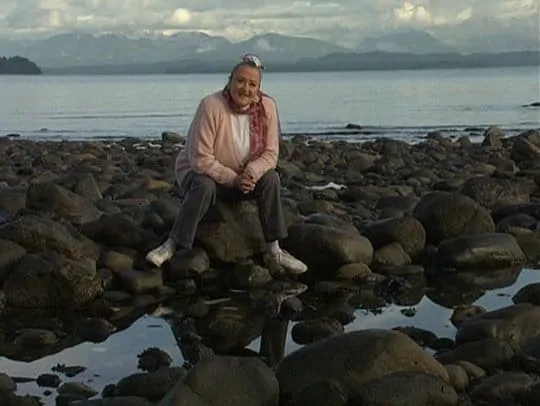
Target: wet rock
(61,203)
(10,254)
(150,385)
(309,331)
(43,234)
(7,384)
(327,392)
(231,232)
(516,324)
(481,251)
(137,282)
(77,389)
(505,386)
(9,399)
(249,275)
(48,381)
(392,254)
(188,264)
(116,261)
(492,137)
(489,354)
(95,330)
(414,388)
(32,338)
(152,359)
(407,231)
(49,280)
(520,220)
(465,312)
(459,379)
(226,381)
(353,359)
(355,271)
(447,215)
(531,397)
(493,193)
(528,294)
(328,248)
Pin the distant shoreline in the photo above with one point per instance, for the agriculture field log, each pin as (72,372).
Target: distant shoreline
(377,61)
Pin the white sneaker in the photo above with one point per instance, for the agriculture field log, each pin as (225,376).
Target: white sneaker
(287,261)
(162,253)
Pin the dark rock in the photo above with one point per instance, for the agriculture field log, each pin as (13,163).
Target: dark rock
(152,359)
(413,388)
(43,234)
(309,331)
(505,386)
(7,384)
(48,381)
(137,282)
(226,381)
(10,254)
(49,280)
(447,215)
(151,385)
(407,231)
(353,359)
(493,193)
(188,264)
(481,251)
(328,248)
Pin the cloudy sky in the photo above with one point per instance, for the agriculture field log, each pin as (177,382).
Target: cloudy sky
(237,19)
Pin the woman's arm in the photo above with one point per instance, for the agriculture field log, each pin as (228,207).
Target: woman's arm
(268,159)
(201,138)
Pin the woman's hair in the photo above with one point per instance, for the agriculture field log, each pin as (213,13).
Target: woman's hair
(247,60)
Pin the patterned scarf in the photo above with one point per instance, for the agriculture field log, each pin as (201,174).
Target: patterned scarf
(258,124)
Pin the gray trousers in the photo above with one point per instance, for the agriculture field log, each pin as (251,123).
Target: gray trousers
(200,193)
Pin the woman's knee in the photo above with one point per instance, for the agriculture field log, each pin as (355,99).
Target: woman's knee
(270,179)
(203,185)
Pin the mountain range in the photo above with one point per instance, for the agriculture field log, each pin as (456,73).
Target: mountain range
(78,50)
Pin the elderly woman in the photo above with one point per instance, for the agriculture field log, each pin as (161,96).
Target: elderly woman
(231,151)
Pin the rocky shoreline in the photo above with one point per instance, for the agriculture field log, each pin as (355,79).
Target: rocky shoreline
(447,219)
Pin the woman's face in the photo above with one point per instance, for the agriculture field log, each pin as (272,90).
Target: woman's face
(244,85)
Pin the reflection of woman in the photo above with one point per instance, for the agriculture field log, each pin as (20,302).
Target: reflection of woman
(231,152)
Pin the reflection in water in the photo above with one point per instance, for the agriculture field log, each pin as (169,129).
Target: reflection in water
(119,352)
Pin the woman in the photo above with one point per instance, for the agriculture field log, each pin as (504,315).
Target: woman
(231,151)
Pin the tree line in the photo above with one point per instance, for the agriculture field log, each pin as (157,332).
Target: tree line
(18,65)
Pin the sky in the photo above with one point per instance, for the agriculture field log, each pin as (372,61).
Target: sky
(239,19)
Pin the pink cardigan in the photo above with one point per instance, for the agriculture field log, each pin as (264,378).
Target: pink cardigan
(210,147)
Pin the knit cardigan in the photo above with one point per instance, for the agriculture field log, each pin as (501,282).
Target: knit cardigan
(211,149)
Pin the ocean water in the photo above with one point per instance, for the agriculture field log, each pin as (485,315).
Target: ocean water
(399,104)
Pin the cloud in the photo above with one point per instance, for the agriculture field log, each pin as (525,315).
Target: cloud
(240,18)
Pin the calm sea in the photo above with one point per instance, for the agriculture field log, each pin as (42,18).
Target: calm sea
(400,104)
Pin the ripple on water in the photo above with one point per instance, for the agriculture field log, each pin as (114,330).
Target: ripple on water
(108,361)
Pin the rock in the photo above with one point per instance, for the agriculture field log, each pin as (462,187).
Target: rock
(459,379)
(172,137)
(35,338)
(392,254)
(407,231)
(76,388)
(406,388)
(493,193)
(328,248)
(43,234)
(531,397)
(489,354)
(492,137)
(447,215)
(48,381)
(515,324)
(353,359)
(13,199)
(116,261)
(188,264)
(465,312)
(153,386)
(138,282)
(231,232)
(505,386)
(116,401)
(481,251)
(226,381)
(309,331)
(528,294)
(247,276)
(50,280)
(356,271)
(7,384)
(61,203)
(152,359)
(10,254)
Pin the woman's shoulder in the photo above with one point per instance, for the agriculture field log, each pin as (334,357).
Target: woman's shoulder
(269,102)
(213,101)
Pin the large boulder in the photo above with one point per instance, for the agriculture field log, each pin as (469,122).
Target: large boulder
(51,281)
(61,203)
(407,231)
(494,193)
(481,251)
(226,381)
(328,248)
(446,215)
(353,359)
(516,324)
(42,234)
